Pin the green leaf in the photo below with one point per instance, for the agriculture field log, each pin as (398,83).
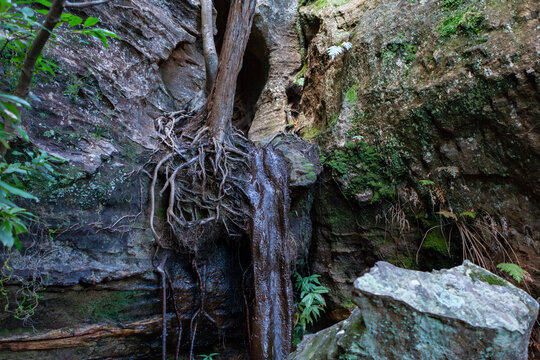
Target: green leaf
(514,270)
(74,21)
(426,182)
(470,214)
(6,236)
(16,191)
(27,12)
(91,21)
(43,2)
(14,99)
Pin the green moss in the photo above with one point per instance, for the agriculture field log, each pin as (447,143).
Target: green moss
(403,50)
(108,306)
(364,167)
(73,186)
(436,241)
(351,96)
(488,278)
(460,19)
(333,119)
(16,331)
(312,132)
(406,262)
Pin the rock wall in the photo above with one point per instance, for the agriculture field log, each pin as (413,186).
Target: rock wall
(438,109)
(93,251)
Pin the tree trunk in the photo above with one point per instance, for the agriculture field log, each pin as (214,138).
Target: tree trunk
(209,46)
(53,17)
(219,108)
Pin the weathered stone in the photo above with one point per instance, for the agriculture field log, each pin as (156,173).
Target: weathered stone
(276,22)
(462,313)
(460,110)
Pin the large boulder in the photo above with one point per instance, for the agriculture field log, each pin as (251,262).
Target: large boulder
(462,313)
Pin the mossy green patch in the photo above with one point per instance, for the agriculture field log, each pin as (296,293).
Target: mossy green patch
(312,132)
(436,241)
(351,96)
(460,19)
(108,305)
(362,167)
(488,278)
(404,50)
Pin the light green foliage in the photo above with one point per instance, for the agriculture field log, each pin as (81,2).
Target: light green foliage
(311,302)
(513,270)
(363,167)
(351,96)
(460,19)
(426,182)
(20,21)
(208,357)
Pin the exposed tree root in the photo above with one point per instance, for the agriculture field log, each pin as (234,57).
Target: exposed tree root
(203,180)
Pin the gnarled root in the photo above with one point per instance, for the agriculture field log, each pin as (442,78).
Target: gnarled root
(203,180)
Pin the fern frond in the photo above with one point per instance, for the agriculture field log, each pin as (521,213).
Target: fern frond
(346,45)
(513,270)
(334,51)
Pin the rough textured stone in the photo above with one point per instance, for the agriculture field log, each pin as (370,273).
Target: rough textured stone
(448,314)
(276,21)
(460,110)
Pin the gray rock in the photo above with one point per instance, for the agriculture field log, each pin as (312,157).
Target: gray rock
(462,313)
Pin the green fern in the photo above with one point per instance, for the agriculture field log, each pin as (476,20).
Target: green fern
(311,302)
(514,270)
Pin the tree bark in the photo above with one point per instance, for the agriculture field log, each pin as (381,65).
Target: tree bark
(220,104)
(209,46)
(53,17)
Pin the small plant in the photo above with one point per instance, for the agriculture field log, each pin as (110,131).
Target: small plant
(26,298)
(336,50)
(208,357)
(466,21)
(73,86)
(513,270)
(311,302)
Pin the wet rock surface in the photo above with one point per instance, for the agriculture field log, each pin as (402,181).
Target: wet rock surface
(447,314)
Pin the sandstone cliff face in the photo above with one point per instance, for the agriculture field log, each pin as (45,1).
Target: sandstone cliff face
(102,294)
(446,89)
(442,109)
